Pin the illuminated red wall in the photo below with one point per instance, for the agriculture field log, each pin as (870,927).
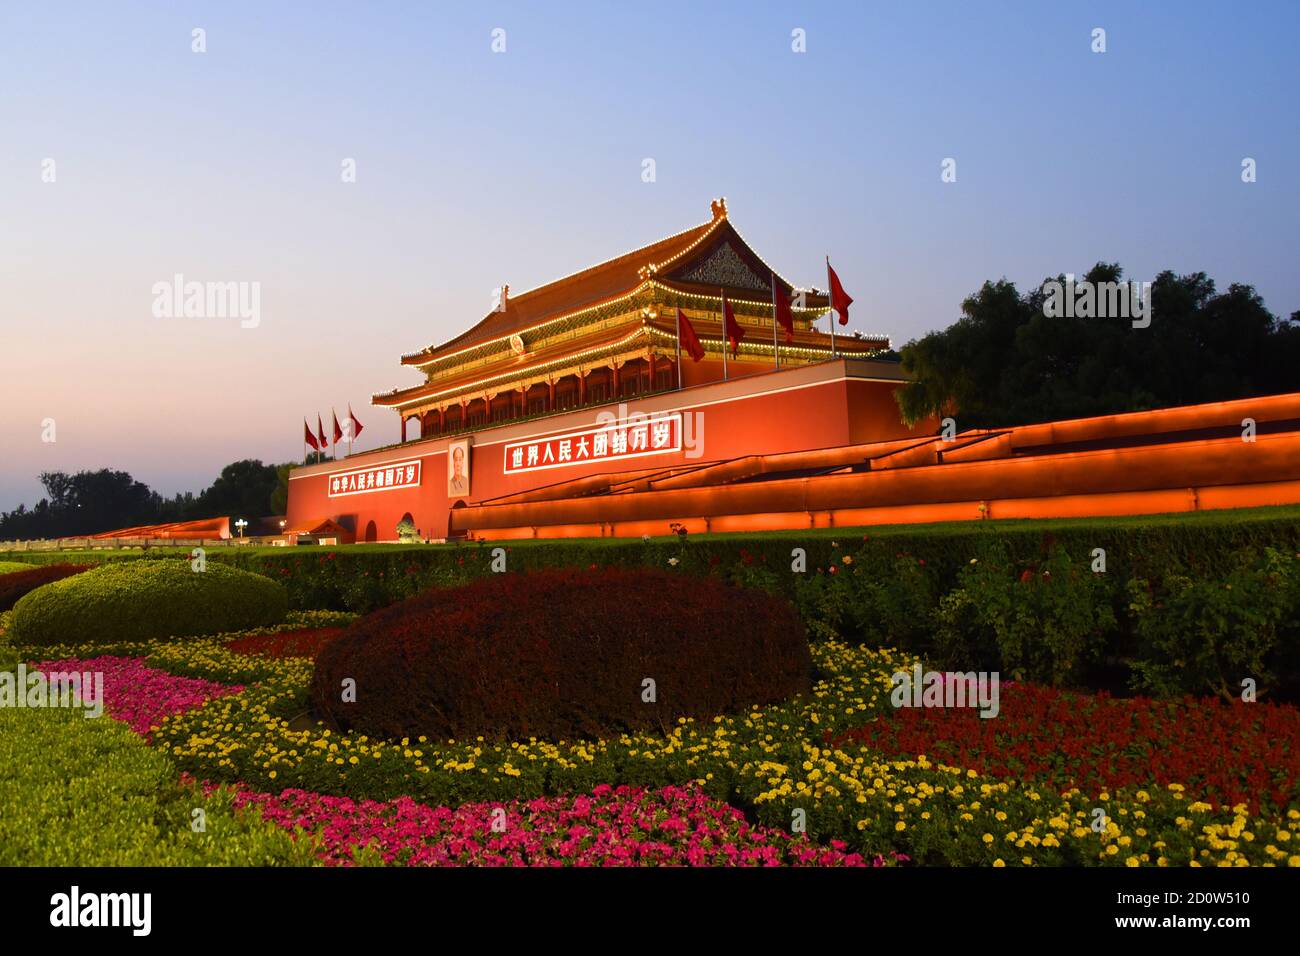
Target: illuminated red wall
(766,412)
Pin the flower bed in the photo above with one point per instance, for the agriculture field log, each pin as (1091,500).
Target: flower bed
(138,695)
(20,580)
(1225,753)
(613,826)
(1056,779)
(304,642)
(772,759)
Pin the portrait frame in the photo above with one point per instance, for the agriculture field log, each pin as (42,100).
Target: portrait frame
(458,468)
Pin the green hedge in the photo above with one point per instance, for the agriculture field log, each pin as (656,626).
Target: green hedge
(914,587)
(76,791)
(362,578)
(144,600)
(9,567)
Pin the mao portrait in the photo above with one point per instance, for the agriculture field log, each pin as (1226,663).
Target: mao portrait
(458,468)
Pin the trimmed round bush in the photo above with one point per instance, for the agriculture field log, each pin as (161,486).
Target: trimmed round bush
(21,583)
(143,600)
(560,654)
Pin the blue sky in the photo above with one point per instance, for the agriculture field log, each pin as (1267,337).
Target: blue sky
(475,169)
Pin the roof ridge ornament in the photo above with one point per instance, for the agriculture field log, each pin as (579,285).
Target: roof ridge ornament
(719,208)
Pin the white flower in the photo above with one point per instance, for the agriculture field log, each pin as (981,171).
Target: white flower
(673,562)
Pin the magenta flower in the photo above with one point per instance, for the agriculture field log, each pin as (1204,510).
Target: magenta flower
(623,826)
(141,696)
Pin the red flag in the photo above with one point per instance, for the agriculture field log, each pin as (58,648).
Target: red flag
(356,425)
(690,341)
(308,437)
(320,433)
(734,332)
(784,316)
(840,300)
(338,432)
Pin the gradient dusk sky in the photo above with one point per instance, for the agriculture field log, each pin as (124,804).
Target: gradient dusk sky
(476,168)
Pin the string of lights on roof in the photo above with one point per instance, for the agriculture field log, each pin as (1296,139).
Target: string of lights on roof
(533,328)
(533,370)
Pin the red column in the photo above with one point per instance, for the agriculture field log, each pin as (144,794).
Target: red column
(618,381)
(582,388)
(442,420)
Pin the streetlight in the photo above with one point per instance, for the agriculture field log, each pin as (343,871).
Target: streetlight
(241,524)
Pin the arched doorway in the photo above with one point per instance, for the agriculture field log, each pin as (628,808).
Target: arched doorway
(451,534)
(372,533)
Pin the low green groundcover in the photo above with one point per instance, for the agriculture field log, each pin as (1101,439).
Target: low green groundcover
(145,600)
(9,567)
(78,792)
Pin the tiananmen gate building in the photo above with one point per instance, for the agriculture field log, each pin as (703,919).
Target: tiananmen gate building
(577,409)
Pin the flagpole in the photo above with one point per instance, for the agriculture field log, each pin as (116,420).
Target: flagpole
(776,354)
(725,338)
(679,348)
(831,301)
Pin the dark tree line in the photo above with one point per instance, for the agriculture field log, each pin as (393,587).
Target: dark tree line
(1006,362)
(89,502)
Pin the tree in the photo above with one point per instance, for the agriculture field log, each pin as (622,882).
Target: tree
(1006,361)
(243,489)
(93,501)
(85,503)
(280,496)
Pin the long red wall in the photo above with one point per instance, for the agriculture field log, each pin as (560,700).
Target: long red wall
(796,409)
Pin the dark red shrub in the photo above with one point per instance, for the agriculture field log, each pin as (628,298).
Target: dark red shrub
(20,583)
(562,653)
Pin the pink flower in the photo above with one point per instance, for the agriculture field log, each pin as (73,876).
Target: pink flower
(138,695)
(611,826)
